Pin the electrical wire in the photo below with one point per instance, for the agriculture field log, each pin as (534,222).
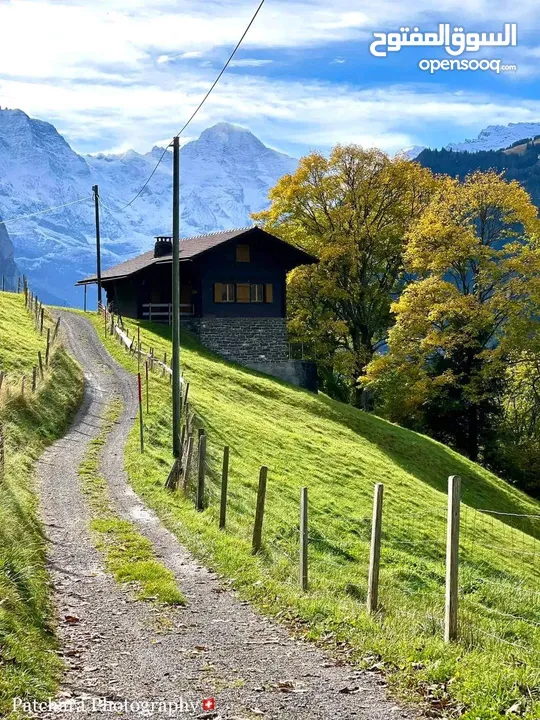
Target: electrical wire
(43,212)
(205,98)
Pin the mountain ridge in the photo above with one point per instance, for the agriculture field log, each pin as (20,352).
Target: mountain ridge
(225,176)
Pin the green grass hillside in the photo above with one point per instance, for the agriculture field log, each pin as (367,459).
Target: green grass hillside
(339,453)
(28,665)
(19,342)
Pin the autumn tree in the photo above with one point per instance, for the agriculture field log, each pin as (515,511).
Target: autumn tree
(475,302)
(352,211)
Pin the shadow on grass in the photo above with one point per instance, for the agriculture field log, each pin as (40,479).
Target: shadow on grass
(421,457)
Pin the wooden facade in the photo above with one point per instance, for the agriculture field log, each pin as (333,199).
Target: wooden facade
(235,274)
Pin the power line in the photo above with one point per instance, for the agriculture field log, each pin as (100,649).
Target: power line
(205,98)
(43,212)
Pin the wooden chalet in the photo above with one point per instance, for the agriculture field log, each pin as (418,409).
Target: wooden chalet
(232,290)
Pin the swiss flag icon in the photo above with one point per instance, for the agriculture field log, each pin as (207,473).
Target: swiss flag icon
(208,704)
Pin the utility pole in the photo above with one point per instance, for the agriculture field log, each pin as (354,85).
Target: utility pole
(95,190)
(176,396)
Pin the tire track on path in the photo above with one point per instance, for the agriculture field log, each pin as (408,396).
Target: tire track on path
(135,652)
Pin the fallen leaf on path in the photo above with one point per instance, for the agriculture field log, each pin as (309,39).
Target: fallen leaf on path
(72,619)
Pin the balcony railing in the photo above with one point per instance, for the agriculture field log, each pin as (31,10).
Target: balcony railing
(162,312)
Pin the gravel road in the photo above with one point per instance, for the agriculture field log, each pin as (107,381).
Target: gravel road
(131,652)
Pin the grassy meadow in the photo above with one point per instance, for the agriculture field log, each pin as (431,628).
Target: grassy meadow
(29,666)
(339,453)
(19,341)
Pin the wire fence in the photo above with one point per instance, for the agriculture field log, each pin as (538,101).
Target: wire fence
(497,554)
(15,384)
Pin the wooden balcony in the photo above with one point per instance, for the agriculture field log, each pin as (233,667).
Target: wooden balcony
(162,312)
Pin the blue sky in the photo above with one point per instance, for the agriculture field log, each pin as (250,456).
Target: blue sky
(118,74)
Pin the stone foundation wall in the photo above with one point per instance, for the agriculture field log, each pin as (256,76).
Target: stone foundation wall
(245,339)
(257,343)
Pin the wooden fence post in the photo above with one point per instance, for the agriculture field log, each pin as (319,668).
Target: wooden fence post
(34,378)
(224,483)
(452,558)
(141,421)
(304,538)
(375,551)
(187,468)
(2,451)
(56,327)
(4,283)
(40,360)
(147,387)
(48,348)
(259,511)
(201,472)
(23,383)
(41,318)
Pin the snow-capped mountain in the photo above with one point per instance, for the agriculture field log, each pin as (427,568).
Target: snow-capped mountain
(494,137)
(497,137)
(225,175)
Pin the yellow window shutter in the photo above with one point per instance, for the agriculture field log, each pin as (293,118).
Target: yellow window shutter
(269,293)
(243,293)
(218,292)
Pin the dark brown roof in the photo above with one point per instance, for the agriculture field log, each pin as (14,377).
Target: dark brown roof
(189,249)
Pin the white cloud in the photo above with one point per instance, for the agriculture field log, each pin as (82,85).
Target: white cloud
(286,114)
(250,62)
(103,72)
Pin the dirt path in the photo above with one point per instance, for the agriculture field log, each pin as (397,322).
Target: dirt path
(131,651)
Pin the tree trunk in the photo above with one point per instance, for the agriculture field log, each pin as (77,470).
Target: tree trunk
(472,432)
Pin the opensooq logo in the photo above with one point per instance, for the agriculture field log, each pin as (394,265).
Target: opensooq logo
(455,42)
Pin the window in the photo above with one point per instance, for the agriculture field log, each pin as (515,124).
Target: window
(224,292)
(257,293)
(243,253)
(243,293)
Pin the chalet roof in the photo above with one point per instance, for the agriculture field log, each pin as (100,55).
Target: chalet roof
(190,248)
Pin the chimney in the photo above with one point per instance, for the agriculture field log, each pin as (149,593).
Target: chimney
(163,246)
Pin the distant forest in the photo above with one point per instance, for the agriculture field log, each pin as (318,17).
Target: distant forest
(522,165)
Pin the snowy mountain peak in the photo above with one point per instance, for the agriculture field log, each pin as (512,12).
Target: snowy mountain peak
(224,136)
(225,176)
(494,137)
(497,137)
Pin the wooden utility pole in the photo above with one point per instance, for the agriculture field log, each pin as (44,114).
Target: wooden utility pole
(175,364)
(95,190)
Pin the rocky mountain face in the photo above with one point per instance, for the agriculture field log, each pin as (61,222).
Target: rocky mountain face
(8,268)
(225,175)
